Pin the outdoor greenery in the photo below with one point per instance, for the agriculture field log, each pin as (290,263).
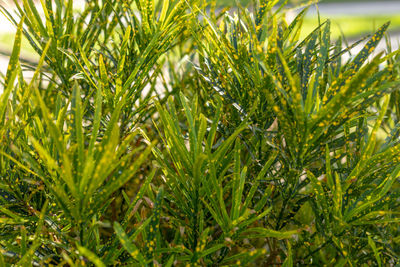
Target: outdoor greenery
(245,2)
(353,27)
(350,27)
(173,133)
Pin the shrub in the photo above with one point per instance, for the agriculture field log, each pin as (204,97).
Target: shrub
(168,133)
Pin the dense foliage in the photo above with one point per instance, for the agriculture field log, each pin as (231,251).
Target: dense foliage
(171,133)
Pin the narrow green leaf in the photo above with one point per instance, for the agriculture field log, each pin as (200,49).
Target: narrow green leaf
(376,252)
(14,58)
(128,245)
(368,48)
(78,129)
(154,226)
(264,232)
(238,184)
(289,258)
(91,256)
(164,11)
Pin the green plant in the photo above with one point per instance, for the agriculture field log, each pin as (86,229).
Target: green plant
(168,133)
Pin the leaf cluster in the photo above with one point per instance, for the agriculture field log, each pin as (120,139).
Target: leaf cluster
(170,133)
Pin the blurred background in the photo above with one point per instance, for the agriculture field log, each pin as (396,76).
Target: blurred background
(351,19)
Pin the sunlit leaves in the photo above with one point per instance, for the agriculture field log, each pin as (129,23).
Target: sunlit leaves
(163,133)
